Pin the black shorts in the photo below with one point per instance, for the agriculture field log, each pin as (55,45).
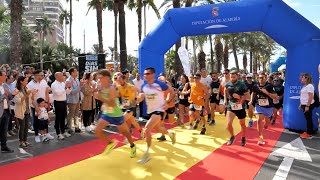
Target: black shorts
(184,102)
(128,110)
(170,110)
(156,113)
(43,124)
(241,114)
(214,100)
(191,108)
(246,103)
(277,106)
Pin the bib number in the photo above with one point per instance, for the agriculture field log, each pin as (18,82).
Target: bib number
(215,91)
(126,102)
(263,102)
(236,106)
(276,101)
(197,107)
(107,109)
(151,98)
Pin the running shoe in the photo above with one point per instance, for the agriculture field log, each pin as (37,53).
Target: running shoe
(196,124)
(261,142)
(173,137)
(162,138)
(142,134)
(243,141)
(212,122)
(231,140)
(145,158)
(305,136)
(203,130)
(45,140)
(133,151)
(109,148)
(250,124)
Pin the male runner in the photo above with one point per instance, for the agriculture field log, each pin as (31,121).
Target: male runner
(215,88)
(198,94)
(127,93)
(206,80)
(111,113)
(250,83)
(277,103)
(237,92)
(262,96)
(153,92)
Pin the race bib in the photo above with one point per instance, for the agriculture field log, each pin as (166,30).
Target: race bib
(236,106)
(263,102)
(276,101)
(126,102)
(221,102)
(181,96)
(151,98)
(215,91)
(107,109)
(197,107)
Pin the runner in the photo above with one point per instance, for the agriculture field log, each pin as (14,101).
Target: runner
(237,92)
(215,88)
(198,94)
(127,94)
(262,97)
(153,92)
(111,113)
(184,93)
(169,113)
(206,80)
(224,80)
(249,83)
(277,103)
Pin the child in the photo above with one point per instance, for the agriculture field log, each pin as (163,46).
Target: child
(43,117)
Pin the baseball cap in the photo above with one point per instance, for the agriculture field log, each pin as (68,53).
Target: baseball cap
(162,74)
(249,75)
(125,71)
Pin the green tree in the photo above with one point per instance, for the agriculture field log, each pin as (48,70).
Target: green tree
(219,52)
(15,31)
(122,34)
(64,18)
(98,5)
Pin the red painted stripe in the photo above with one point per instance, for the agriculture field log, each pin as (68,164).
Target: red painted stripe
(236,162)
(42,164)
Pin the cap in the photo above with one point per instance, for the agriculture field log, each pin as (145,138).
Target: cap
(162,74)
(117,74)
(125,71)
(249,75)
(234,72)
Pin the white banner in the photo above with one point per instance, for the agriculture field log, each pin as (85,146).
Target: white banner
(184,57)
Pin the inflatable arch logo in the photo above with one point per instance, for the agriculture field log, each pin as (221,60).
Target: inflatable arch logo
(273,17)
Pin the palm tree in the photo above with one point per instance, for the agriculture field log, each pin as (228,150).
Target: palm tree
(98,5)
(244,45)
(113,6)
(219,52)
(64,18)
(200,41)
(122,34)
(70,24)
(3,15)
(15,31)
(43,27)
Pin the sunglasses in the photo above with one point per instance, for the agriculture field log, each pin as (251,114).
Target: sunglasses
(147,73)
(225,73)
(261,78)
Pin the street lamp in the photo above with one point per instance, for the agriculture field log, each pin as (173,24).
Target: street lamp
(144,14)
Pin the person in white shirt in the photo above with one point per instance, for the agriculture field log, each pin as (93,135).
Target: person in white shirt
(306,103)
(206,80)
(138,82)
(60,91)
(41,87)
(43,117)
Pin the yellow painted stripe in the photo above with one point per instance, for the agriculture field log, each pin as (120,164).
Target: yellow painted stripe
(168,161)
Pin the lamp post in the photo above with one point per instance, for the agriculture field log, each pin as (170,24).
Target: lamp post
(144,14)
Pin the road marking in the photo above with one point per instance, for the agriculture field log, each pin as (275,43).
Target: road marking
(293,150)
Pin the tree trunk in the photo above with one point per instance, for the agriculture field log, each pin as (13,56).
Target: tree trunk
(219,53)
(139,13)
(195,57)
(99,25)
(122,34)
(202,59)
(188,4)
(234,50)
(226,56)
(178,65)
(255,63)
(70,25)
(211,53)
(15,31)
(115,12)
(245,61)
(251,61)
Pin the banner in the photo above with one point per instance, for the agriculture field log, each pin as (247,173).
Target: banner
(184,58)
(91,62)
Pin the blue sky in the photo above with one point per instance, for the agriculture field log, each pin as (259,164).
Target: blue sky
(310,9)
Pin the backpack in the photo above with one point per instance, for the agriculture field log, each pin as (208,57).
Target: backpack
(316,99)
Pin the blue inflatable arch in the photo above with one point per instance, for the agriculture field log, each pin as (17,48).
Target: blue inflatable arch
(273,17)
(274,66)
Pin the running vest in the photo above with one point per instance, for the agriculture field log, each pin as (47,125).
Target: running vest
(262,99)
(197,91)
(127,95)
(107,110)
